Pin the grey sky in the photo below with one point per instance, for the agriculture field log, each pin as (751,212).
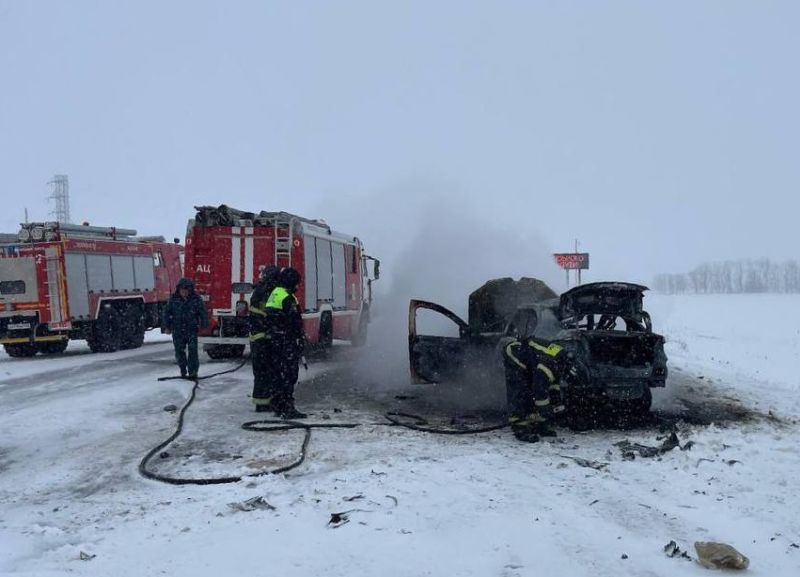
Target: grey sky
(659,133)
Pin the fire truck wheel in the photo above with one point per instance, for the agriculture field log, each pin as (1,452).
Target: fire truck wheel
(52,348)
(326,332)
(106,334)
(132,335)
(20,350)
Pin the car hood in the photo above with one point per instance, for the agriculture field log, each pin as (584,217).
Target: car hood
(617,298)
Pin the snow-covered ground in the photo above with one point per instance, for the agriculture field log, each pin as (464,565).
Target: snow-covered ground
(73,429)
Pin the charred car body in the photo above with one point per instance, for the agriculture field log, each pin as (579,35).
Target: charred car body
(602,325)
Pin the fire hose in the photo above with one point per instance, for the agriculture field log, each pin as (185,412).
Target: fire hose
(394,418)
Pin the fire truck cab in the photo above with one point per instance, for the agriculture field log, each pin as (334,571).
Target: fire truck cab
(226,250)
(65,281)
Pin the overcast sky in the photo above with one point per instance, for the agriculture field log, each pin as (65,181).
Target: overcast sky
(660,134)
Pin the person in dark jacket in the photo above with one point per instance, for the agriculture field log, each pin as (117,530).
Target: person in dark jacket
(534,370)
(281,351)
(184,315)
(259,353)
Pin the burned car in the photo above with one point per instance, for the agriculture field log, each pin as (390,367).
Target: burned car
(602,325)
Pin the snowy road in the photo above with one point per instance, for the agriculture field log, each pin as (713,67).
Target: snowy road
(73,429)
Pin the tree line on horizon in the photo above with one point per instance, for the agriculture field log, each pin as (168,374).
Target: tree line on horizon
(733,277)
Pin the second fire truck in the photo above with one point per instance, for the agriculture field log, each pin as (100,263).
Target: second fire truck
(226,249)
(65,281)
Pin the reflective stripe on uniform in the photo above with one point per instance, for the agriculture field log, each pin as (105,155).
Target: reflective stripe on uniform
(542,402)
(257,311)
(548,373)
(266,401)
(512,356)
(257,336)
(552,350)
(532,419)
(555,387)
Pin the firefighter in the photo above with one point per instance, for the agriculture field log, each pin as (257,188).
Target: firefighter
(284,341)
(184,315)
(262,390)
(534,370)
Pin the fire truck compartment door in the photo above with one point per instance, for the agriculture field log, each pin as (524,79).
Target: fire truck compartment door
(434,359)
(77,281)
(18,280)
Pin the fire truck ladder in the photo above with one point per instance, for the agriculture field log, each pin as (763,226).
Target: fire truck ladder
(283,242)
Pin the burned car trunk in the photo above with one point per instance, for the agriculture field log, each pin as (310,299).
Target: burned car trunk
(603,325)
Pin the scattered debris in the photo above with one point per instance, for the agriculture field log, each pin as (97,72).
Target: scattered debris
(393,498)
(719,556)
(629,449)
(732,462)
(252,505)
(86,556)
(586,463)
(593,502)
(624,556)
(163,455)
(354,497)
(338,519)
(795,545)
(405,397)
(672,550)
(700,460)
(171,408)
(376,473)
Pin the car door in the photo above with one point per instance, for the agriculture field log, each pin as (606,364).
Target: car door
(434,359)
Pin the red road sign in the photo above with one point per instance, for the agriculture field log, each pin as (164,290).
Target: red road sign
(572,260)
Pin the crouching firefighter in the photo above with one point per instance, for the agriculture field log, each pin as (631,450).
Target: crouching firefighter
(277,341)
(534,370)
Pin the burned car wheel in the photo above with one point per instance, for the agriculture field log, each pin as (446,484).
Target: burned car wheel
(635,407)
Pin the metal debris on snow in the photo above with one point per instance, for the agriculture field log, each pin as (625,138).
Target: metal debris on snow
(597,465)
(629,449)
(338,519)
(86,556)
(713,555)
(252,505)
(672,550)
(171,408)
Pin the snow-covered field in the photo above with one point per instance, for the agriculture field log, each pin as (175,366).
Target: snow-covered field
(73,429)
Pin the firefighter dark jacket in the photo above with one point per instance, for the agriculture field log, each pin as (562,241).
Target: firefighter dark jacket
(185,317)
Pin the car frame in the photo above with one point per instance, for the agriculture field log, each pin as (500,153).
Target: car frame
(603,327)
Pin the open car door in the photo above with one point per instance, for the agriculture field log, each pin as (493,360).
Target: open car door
(434,359)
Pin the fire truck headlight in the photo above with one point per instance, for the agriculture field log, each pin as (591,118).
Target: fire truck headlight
(37,233)
(24,235)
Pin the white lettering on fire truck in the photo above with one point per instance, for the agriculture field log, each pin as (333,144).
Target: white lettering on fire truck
(206,268)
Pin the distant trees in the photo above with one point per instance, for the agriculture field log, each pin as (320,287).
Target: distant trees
(734,276)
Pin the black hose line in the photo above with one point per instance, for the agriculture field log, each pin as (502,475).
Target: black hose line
(420,424)
(271,425)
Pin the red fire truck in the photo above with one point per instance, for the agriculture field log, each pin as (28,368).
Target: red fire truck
(66,281)
(226,249)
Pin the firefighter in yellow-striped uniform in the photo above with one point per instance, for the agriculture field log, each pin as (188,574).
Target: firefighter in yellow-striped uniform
(534,370)
(277,341)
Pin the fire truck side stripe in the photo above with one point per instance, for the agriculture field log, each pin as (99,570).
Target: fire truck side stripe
(236,261)
(248,254)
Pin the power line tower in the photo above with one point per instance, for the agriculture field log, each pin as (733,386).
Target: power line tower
(60,195)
